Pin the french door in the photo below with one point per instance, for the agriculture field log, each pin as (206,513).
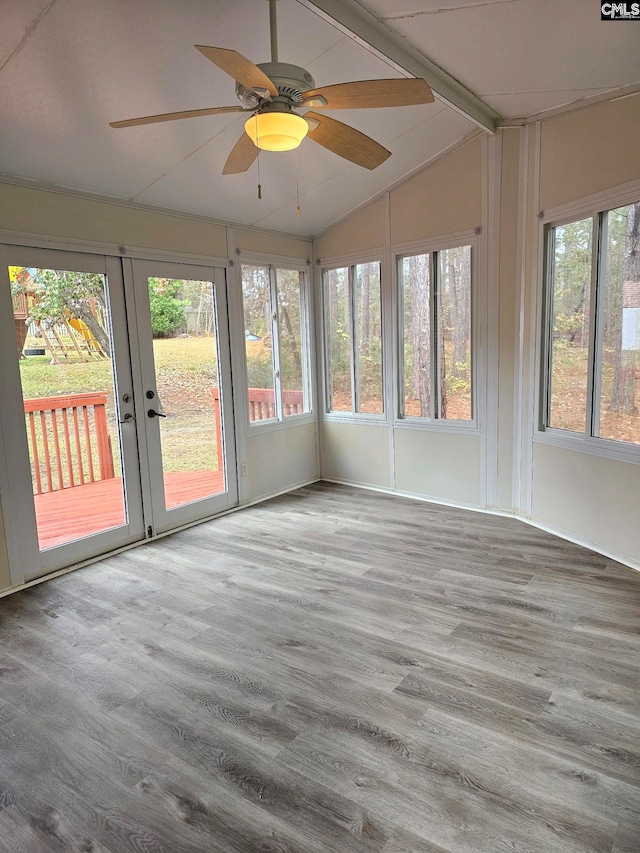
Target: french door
(185,370)
(114,378)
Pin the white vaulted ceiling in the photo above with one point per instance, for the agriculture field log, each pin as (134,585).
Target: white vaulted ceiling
(69,67)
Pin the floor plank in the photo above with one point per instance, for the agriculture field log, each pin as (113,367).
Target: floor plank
(332,670)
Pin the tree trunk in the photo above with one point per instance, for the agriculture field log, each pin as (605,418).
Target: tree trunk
(292,338)
(624,363)
(365,310)
(460,312)
(80,309)
(421,332)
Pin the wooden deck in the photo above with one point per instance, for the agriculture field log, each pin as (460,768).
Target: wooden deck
(68,514)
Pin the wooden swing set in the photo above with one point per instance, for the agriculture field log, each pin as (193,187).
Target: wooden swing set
(64,339)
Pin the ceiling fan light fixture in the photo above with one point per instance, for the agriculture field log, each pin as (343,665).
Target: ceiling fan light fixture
(276,131)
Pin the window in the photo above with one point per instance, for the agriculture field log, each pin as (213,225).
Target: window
(435,334)
(276,341)
(593,326)
(354,339)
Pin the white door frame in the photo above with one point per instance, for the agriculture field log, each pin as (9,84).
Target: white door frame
(157,518)
(26,561)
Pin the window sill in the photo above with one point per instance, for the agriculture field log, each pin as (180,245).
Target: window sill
(439,425)
(288,422)
(356,418)
(604,448)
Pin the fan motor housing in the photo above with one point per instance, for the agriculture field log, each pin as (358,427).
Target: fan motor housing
(291,81)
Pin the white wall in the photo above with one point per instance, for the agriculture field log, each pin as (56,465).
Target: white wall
(278,458)
(588,150)
(588,498)
(357,453)
(505,465)
(74,218)
(445,198)
(363,230)
(593,499)
(281,459)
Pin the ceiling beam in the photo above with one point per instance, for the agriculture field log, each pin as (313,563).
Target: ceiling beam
(361,25)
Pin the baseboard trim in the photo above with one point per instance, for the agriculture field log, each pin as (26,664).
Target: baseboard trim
(410,495)
(562,534)
(277,494)
(584,543)
(98,557)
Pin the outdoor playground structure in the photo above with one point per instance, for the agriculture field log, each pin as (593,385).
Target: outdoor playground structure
(62,338)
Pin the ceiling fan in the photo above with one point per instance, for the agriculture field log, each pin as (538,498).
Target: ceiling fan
(273,92)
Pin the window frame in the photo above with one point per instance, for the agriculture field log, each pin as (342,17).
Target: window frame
(434,421)
(350,266)
(272,266)
(587,441)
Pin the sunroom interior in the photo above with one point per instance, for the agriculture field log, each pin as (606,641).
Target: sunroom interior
(319,484)
(492,184)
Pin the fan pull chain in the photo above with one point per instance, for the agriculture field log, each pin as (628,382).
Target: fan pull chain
(298,214)
(258,159)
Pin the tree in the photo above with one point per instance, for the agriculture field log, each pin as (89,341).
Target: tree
(61,295)
(256,297)
(419,325)
(167,311)
(289,283)
(623,265)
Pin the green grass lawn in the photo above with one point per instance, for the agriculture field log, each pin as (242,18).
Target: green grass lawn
(186,372)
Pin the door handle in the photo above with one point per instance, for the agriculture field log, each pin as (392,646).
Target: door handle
(153,414)
(127,418)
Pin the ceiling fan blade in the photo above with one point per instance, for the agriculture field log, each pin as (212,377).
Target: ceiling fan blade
(242,155)
(365,94)
(346,141)
(239,67)
(211,111)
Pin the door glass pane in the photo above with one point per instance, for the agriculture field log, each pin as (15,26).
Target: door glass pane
(339,339)
(185,353)
(64,343)
(620,353)
(369,337)
(570,298)
(256,297)
(415,284)
(454,339)
(290,318)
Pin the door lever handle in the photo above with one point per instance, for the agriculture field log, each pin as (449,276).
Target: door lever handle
(127,419)
(153,414)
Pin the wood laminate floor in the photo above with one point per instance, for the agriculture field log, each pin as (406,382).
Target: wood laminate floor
(333,670)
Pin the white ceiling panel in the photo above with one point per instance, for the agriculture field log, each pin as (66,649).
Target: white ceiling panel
(530,103)
(514,47)
(19,22)
(69,67)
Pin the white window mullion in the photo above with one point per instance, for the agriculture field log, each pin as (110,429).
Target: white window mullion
(435,332)
(400,331)
(355,368)
(305,343)
(600,224)
(327,359)
(592,326)
(275,343)
(547,349)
